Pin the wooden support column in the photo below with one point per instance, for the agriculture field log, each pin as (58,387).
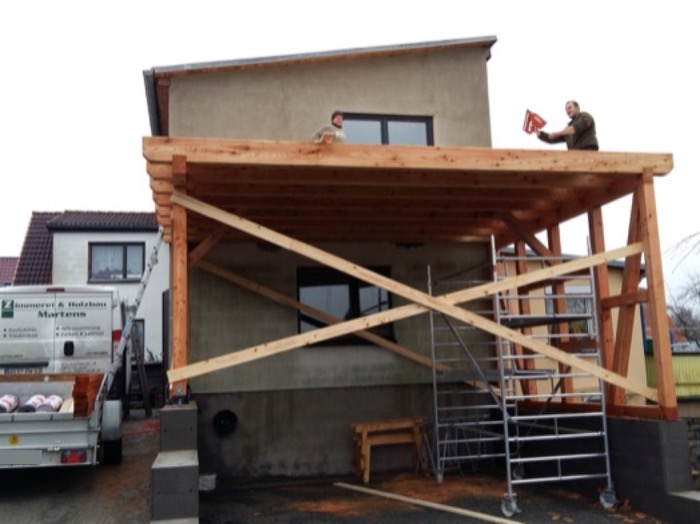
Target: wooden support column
(626,314)
(529,386)
(179,289)
(559,306)
(658,317)
(601,282)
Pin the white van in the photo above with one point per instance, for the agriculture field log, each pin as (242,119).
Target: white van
(50,329)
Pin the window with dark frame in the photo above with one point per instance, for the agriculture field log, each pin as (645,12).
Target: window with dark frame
(578,302)
(343,297)
(138,338)
(365,128)
(110,262)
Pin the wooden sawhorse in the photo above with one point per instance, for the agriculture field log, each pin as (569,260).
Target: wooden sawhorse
(385,433)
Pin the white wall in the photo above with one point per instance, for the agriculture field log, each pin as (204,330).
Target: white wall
(70,266)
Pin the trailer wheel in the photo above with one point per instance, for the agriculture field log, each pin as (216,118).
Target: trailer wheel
(112,452)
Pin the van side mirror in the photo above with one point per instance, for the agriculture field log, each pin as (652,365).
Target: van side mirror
(68,348)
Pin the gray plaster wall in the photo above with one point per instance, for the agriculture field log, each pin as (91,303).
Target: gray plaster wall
(226,318)
(289,102)
(303,433)
(295,409)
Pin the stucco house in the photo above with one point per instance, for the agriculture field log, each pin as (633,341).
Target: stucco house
(101,248)
(303,273)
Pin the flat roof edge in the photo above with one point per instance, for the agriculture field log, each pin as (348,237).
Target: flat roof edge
(174,70)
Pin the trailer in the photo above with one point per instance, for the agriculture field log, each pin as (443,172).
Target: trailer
(63,343)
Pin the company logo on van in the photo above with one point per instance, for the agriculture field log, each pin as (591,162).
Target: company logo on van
(8,308)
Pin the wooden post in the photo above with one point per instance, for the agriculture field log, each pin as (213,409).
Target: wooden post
(601,281)
(180,294)
(658,317)
(559,306)
(626,313)
(529,386)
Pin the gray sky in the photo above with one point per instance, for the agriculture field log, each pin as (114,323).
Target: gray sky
(73,106)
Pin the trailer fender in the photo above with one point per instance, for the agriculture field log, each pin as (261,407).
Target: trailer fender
(112,420)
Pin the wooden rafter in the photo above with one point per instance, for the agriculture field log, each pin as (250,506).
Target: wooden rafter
(350,193)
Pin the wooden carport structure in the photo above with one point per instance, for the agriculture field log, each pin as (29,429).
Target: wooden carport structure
(295,194)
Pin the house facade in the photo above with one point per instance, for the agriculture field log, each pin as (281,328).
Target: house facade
(101,248)
(302,272)
(308,398)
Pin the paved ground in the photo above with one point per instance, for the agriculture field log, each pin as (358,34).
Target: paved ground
(86,495)
(475,496)
(121,495)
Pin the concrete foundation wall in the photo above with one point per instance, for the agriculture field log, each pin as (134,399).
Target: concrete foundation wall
(650,460)
(303,432)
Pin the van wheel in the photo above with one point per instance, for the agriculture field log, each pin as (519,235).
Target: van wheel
(112,451)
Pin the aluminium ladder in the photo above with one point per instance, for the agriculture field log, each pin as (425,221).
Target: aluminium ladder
(543,443)
(127,330)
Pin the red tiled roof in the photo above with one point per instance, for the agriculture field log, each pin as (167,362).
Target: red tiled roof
(104,221)
(675,333)
(7,269)
(36,259)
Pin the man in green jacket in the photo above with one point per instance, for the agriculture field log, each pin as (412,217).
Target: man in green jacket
(579,133)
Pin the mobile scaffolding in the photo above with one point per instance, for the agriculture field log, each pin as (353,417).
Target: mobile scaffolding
(495,400)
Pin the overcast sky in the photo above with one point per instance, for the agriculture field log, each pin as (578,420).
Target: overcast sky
(73,106)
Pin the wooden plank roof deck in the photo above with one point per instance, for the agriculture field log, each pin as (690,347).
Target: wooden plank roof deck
(400,194)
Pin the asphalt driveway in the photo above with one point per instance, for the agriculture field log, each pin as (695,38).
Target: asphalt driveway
(475,497)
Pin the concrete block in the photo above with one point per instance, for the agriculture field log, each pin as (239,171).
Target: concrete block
(650,455)
(178,427)
(175,485)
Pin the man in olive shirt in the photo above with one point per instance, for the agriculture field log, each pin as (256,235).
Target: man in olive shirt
(334,129)
(579,132)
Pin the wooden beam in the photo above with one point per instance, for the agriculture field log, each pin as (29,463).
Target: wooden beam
(601,284)
(560,308)
(631,275)
(319,335)
(207,245)
(179,164)
(658,317)
(537,163)
(180,293)
(531,240)
(413,295)
(180,280)
(521,267)
(284,300)
(628,299)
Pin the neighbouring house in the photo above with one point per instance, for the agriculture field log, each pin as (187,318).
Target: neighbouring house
(686,368)
(303,274)
(7,270)
(101,248)
(575,289)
